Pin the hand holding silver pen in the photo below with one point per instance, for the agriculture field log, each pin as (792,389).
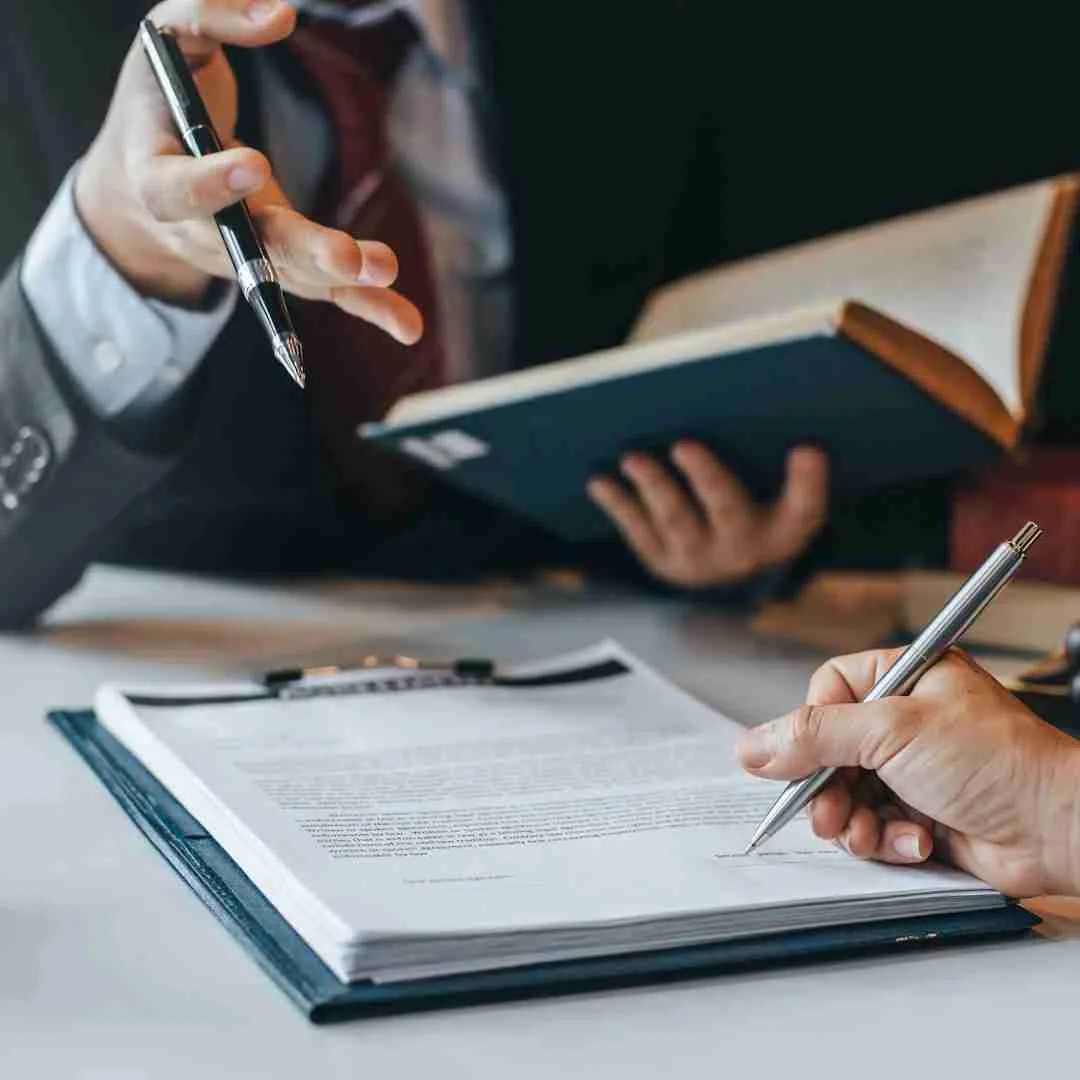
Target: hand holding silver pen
(943,632)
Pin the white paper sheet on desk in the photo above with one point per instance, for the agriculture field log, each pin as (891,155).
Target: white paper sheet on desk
(449,829)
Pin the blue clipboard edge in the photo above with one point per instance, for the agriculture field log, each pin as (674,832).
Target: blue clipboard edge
(286,958)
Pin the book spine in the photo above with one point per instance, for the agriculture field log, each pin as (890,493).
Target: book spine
(1044,486)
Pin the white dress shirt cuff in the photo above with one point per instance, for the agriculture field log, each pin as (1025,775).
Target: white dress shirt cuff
(128,354)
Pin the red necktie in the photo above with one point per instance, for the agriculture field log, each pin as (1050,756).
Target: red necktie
(356,371)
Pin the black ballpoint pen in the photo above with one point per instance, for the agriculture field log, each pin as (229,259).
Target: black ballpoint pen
(254,271)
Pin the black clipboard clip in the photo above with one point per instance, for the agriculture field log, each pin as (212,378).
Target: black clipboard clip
(469,668)
(412,673)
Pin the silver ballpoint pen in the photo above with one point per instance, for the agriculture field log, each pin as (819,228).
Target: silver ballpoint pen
(939,636)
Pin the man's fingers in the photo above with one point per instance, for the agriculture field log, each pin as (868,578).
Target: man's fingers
(322,256)
(201,25)
(313,262)
(384,308)
(725,501)
(628,517)
(849,678)
(176,187)
(836,814)
(673,514)
(270,194)
(830,811)
(904,842)
(312,259)
(801,509)
(862,836)
(867,735)
(365,262)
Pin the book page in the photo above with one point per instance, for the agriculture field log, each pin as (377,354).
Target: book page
(958,274)
(595,801)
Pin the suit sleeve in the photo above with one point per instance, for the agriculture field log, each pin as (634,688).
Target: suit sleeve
(64,476)
(66,472)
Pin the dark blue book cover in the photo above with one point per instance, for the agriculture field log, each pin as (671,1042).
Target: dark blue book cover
(535,454)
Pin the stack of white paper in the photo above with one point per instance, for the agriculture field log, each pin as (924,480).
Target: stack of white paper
(417,833)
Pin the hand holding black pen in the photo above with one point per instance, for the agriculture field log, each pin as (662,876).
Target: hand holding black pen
(254,271)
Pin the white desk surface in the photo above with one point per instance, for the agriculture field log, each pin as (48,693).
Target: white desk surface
(109,967)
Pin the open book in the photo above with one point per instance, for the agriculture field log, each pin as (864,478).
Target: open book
(413,827)
(906,349)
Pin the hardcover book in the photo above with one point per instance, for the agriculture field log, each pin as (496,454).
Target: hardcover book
(907,349)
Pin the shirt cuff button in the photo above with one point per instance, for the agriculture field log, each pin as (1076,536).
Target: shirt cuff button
(108,358)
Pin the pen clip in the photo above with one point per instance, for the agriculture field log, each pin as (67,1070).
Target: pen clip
(174,77)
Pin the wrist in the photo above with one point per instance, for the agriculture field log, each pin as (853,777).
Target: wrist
(143,260)
(1062,828)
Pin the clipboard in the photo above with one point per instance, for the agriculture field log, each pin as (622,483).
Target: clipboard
(272,943)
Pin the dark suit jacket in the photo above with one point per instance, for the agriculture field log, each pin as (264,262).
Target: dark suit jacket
(649,139)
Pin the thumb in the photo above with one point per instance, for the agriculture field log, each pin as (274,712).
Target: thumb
(202,26)
(817,736)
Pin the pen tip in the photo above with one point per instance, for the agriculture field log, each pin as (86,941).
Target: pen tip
(290,354)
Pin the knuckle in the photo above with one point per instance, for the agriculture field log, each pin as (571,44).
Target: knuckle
(880,660)
(196,193)
(740,565)
(859,847)
(901,721)
(806,724)
(153,196)
(825,670)
(335,252)
(376,250)
(798,526)
(305,291)
(680,522)
(684,539)
(905,718)
(283,252)
(179,244)
(674,571)
(811,516)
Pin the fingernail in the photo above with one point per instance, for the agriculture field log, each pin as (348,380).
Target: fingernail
(803,458)
(262,10)
(380,267)
(908,846)
(756,746)
(243,178)
(592,488)
(410,332)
